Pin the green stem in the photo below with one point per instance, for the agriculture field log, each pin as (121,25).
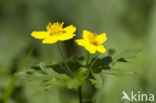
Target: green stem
(87,63)
(80,94)
(61,54)
(80,88)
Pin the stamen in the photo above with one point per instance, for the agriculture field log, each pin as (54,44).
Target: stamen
(93,40)
(56,28)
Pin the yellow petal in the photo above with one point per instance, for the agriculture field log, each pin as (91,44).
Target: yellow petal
(70,29)
(81,42)
(50,40)
(65,36)
(86,34)
(91,49)
(39,34)
(101,38)
(101,49)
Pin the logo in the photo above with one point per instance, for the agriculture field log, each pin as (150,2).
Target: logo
(137,96)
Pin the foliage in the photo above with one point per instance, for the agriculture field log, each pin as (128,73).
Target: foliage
(50,76)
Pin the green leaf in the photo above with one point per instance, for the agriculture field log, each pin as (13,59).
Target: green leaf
(97,81)
(127,54)
(122,60)
(32,75)
(98,64)
(47,78)
(118,72)
(52,83)
(75,63)
(59,67)
(48,71)
(79,78)
(81,60)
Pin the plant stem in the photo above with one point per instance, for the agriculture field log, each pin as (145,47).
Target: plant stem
(61,54)
(80,94)
(87,63)
(80,88)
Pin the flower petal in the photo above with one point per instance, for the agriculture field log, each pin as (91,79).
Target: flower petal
(65,36)
(86,34)
(89,47)
(81,42)
(50,40)
(70,29)
(39,34)
(101,49)
(101,38)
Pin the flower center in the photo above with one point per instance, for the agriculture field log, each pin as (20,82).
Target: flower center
(93,40)
(95,43)
(55,29)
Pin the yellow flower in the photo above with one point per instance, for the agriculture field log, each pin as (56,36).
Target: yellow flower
(92,42)
(55,32)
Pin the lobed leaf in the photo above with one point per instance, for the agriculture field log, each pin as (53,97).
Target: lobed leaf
(79,78)
(97,81)
(127,54)
(32,75)
(47,78)
(118,72)
(100,64)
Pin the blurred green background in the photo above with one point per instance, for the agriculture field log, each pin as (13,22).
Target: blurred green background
(129,24)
